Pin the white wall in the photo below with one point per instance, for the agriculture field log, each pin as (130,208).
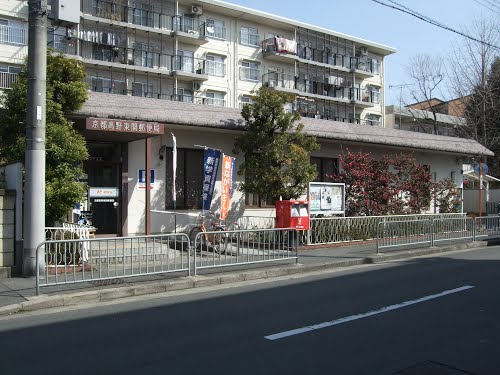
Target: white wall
(441,164)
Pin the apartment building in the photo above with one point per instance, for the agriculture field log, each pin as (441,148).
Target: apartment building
(186,68)
(13,40)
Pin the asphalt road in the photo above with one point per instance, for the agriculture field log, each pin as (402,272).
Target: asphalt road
(436,315)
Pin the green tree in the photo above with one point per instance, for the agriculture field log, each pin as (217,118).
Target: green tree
(65,147)
(275,148)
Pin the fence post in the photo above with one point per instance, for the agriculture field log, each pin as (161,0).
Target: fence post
(431,230)
(474,229)
(378,235)
(37,264)
(297,247)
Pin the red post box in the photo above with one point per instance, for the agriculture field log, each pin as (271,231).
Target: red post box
(292,214)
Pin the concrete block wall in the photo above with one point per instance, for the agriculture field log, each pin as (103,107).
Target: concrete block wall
(7,227)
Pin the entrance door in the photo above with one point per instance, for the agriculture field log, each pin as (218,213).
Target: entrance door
(104,188)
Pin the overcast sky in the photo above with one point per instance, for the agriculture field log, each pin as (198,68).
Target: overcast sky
(368,20)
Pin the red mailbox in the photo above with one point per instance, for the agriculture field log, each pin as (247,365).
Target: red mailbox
(292,214)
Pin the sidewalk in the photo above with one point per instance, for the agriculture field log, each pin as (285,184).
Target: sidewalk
(17,294)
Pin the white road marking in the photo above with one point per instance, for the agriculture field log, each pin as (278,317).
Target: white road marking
(298,331)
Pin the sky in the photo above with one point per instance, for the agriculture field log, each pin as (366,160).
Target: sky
(369,20)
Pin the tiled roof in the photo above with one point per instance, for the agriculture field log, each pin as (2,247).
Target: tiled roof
(196,115)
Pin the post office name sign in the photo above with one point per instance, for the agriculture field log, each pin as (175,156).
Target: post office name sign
(124,126)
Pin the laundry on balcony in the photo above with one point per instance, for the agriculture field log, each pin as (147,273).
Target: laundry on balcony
(284,45)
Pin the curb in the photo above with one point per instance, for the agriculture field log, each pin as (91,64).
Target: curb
(191,282)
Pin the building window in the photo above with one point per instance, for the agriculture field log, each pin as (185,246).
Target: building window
(245,99)
(374,65)
(215,66)
(326,167)
(215,99)
(12,32)
(8,75)
(373,120)
(142,89)
(184,95)
(254,200)
(215,29)
(249,71)
(374,94)
(249,36)
(189,178)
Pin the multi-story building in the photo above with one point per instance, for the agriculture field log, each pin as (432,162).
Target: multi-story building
(185,67)
(13,40)
(218,54)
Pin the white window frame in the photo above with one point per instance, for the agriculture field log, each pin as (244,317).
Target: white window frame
(250,71)
(373,120)
(215,65)
(249,36)
(216,99)
(13,32)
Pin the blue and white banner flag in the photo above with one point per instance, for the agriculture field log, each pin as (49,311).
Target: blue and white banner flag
(210,166)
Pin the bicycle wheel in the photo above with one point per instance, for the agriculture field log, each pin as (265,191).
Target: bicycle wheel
(201,240)
(219,240)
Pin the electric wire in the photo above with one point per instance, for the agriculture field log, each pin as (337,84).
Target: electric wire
(407,10)
(487,7)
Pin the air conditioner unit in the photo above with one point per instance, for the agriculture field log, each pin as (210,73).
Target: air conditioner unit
(196,9)
(196,85)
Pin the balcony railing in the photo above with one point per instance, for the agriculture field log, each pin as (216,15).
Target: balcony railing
(140,14)
(14,35)
(279,80)
(7,79)
(188,25)
(188,64)
(217,32)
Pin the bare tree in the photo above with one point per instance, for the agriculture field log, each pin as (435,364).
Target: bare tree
(427,73)
(471,74)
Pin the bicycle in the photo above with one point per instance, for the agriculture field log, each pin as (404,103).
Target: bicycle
(216,241)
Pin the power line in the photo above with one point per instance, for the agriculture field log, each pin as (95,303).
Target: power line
(411,12)
(487,7)
(494,4)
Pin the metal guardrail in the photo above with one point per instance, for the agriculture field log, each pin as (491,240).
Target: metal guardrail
(235,247)
(487,226)
(428,232)
(71,259)
(347,229)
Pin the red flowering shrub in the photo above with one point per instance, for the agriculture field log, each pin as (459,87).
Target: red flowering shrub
(397,185)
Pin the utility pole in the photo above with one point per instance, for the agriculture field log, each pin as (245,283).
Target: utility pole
(34,192)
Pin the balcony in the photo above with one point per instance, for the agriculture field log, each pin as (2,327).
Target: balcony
(215,31)
(363,67)
(185,29)
(280,82)
(13,35)
(7,80)
(140,14)
(188,68)
(279,49)
(364,98)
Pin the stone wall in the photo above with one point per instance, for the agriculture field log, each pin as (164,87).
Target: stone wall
(7,227)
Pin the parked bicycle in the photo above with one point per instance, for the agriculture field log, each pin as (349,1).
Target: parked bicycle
(214,239)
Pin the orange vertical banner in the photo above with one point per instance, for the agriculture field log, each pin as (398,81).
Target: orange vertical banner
(227,183)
